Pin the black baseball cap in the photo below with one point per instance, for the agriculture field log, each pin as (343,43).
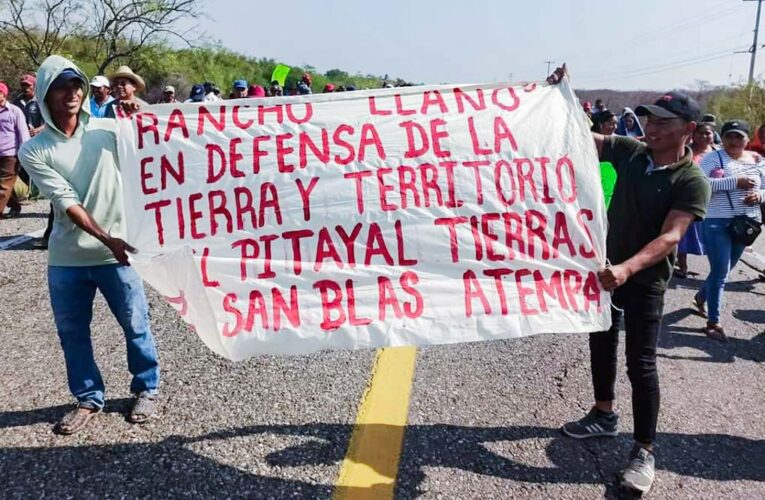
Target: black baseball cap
(672,105)
(737,126)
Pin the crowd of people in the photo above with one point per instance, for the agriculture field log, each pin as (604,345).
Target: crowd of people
(240,89)
(732,196)
(678,184)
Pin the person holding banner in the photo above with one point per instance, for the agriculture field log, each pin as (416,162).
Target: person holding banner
(659,192)
(74,162)
(127,84)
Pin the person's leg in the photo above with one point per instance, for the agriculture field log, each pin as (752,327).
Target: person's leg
(603,358)
(642,320)
(601,420)
(8,174)
(24,176)
(123,290)
(42,243)
(682,264)
(736,251)
(71,295)
(643,310)
(49,227)
(719,248)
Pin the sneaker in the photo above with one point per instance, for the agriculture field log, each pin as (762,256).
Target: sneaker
(640,471)
(594,424)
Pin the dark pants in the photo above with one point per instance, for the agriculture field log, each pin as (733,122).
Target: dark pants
(9,170)
(643,307)
(49,227)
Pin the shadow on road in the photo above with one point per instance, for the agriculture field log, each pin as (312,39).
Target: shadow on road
(170,467)
(29,215)
(731,286)
(750,315)
(676,337)
(53,413)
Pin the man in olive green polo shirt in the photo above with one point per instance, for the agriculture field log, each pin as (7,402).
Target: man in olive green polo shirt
(659,192)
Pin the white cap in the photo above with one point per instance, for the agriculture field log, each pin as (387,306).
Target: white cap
(169,88)
(100,81)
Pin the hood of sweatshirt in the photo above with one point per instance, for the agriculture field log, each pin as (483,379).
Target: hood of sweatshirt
(46,74)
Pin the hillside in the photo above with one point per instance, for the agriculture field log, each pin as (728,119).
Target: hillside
(617,100)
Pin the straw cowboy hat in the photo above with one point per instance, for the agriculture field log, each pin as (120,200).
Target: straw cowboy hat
(126,72)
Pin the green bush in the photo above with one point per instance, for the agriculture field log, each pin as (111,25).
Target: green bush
(745,102)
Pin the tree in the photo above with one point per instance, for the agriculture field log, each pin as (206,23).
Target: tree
(336,75)
(121,28)
(744,102)
(37,29)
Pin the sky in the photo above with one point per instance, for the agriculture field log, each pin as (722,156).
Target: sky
(618,44)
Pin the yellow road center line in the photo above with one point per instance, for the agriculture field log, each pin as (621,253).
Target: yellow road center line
(371,462)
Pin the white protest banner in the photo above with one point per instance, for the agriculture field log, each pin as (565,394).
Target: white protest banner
(406,216)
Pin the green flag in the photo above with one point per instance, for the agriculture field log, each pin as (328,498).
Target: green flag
(607,180)
(280,74)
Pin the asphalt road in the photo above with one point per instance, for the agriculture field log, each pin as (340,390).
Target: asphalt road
(483,420)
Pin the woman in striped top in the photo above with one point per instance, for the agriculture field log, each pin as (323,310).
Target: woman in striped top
(737,178)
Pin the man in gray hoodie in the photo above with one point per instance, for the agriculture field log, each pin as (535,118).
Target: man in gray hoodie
(74,163)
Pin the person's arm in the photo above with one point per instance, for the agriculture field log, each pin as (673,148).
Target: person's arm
(50,183)
(757,197)
(600,140)
(675,225)
(127,107)
(22,130)
(65,200)
(84,221)
(712,161)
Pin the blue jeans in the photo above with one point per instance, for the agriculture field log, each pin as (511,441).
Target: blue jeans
(72,290)
(723,254)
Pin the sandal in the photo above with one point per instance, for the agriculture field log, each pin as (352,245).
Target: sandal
(144,407)
(75,420)
(701,308)
(715,332)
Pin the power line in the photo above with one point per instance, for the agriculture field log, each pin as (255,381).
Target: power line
(632,71)
(721,10)
(692,62)
(674,58)
(692,22)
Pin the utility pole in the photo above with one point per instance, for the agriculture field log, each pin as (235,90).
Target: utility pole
(753,50)
(550,63)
